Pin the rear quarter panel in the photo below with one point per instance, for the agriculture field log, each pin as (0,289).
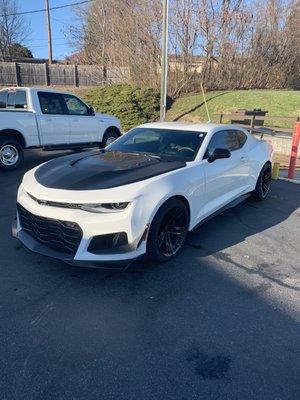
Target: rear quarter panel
(22,121)
(260,152)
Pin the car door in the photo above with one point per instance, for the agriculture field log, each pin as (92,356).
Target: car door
(84,126)
(54,124)
(225,179)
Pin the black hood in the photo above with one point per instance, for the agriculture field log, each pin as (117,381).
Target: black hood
(101,170)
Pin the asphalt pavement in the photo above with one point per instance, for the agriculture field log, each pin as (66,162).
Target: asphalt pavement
(219,322)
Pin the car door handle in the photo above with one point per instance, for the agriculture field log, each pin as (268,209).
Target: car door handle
(48,120)
(243,159)
(75,120)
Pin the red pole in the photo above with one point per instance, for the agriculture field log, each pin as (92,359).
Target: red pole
(294,150)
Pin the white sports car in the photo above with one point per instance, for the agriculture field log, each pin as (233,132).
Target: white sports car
(140,195)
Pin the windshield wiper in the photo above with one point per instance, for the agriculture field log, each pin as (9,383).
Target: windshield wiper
(148,154)
(154,156)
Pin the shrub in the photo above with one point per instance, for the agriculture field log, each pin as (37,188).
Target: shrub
(133,105)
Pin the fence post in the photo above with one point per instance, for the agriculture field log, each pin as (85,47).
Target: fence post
(75,75)
(221,118)
(47,76)
(294,151)
(252,121)
(17,75)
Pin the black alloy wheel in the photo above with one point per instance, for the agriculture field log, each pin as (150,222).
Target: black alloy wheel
(168,231)
(263,184)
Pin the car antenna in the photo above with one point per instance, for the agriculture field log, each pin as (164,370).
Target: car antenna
(205,102)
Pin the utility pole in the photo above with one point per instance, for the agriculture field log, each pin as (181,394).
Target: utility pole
(49,32)
(164,62)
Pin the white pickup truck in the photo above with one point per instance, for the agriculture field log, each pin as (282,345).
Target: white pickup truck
(49,119)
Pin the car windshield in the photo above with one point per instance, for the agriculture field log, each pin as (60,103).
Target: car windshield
(163,143)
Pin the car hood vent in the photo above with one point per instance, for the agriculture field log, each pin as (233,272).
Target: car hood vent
(101,170)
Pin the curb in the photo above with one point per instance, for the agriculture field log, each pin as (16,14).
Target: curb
(289,180)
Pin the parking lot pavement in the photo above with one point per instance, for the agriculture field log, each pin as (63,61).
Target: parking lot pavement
(219,322)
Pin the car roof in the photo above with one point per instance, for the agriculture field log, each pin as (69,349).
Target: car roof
(34,88)
(187,126)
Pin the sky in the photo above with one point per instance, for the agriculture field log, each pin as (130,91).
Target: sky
(60,19)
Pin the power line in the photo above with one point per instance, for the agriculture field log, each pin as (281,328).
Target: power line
(42,45)
(44,9)
(61,21)
(42,40)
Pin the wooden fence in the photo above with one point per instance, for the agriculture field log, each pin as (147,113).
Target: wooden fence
(33,74)
(254,121)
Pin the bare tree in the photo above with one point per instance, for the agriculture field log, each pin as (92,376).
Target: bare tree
(13,28)
(226,44)
(184,34)
(121,36)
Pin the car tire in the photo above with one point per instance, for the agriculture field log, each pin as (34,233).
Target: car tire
(110,136)
(263,183)
(168,231)
(11,154)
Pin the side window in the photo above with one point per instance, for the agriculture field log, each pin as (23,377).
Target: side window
(236,140)
(20,99)
(75,106)
(218,141)
(52,103)
(241,137)
(11,99)
(231,140)
(3,98)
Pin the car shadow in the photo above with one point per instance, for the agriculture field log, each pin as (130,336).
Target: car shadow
(187,327)
(238,224)
(204,325)
(250,219)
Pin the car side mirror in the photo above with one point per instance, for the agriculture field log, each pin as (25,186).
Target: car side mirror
(219,153)
(91,111)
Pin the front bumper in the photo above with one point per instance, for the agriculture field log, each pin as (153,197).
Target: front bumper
(92,225)
(36,247)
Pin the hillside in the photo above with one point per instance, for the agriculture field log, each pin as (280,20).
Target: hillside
(191,108)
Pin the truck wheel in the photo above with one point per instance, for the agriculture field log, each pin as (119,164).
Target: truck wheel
(110,136)
(11,154)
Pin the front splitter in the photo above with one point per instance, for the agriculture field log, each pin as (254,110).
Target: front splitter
(39,248)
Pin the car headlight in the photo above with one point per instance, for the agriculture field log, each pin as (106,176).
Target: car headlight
(105,207)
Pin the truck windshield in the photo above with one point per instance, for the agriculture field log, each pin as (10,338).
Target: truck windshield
(164,143)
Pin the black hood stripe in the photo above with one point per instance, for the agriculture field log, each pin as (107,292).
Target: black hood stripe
(101,170)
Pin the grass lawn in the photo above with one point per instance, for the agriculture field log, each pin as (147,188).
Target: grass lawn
(285,103)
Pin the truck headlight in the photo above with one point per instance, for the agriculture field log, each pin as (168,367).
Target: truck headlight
(105,207)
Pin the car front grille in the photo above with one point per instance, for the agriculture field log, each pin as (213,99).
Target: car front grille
(60,235)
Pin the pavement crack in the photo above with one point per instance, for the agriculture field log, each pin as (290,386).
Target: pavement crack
(45,311)
(257,271)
